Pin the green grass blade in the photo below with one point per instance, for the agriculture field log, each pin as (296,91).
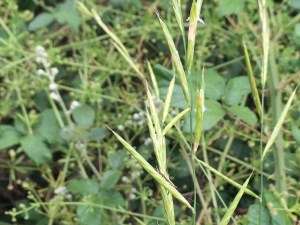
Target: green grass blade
(168,99)
(153,79)
(153,172)
(234,204)
(252,81)
(194,16)
(174,120)
(278,125)
(176,60)
(249,192)
(199,118)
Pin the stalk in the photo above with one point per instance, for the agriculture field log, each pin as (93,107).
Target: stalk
(278,149)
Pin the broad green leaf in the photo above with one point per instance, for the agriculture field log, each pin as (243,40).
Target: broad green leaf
(214,83)
(70,17)
(20,126)
(213,113)
(227,7)
(295,4)
(36,150)
(117,160)
(297,29)
(89,214)
(278,217)
(68,5)
(84,115)
(97,133)
(112,198)
(110,178)
(8,136)
(137,3)
(253,215)
(49,127)
(244,113)
(85,187)
(296,133)
(41,20)
(235,89)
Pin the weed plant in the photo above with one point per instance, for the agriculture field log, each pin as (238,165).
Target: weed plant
(79,137)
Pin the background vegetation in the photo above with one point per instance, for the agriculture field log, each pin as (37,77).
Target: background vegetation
(63,79)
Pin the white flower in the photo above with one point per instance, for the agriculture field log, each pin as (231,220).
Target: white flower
(39,49)
(54,71)
(69,196)
(135,174)
(46,63)
(38,59)
(138,166)
(74,104)
(125,179)
(43,54)
(120,127)
(53,199)
(41,72)
(141,113)
(54,96)
(53,87)
(61,191)
(132,196)
(148,141)
(130,121)
(173,112)
(136,116)
(140,123)
(133,190)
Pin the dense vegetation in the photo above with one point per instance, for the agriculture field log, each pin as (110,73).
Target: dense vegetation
(70,72)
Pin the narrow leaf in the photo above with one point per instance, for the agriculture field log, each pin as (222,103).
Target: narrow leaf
(249,192)
(278,125)
(173,121)
(153,172)
(234,204)
(252,81)
(176,60)
(153,79)
(168,99)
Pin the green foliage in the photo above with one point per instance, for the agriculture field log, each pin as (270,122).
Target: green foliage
(85,187)
(227,7)
(235,89)
(110,178)
(97,133)
(9,136)
(36,150)
(84,115)
(244,114)
(88,213)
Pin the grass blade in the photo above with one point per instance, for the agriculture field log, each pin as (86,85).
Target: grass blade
(153,79)
(234,204)
(153,172)
(168,99)
(176,60)
(194,16)
(252,81)
(249,192)
(174,120)
(278,125)
(199,110)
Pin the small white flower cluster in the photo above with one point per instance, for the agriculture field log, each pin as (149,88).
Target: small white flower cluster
(50,73)
(158,103)
(121,128)
(148,141)
(132,196)
(138,118)
(61,191)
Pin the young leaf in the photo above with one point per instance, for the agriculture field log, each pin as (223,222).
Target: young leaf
(252,81)
(278,125)
(168,99)
(234,204)
(153,172)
